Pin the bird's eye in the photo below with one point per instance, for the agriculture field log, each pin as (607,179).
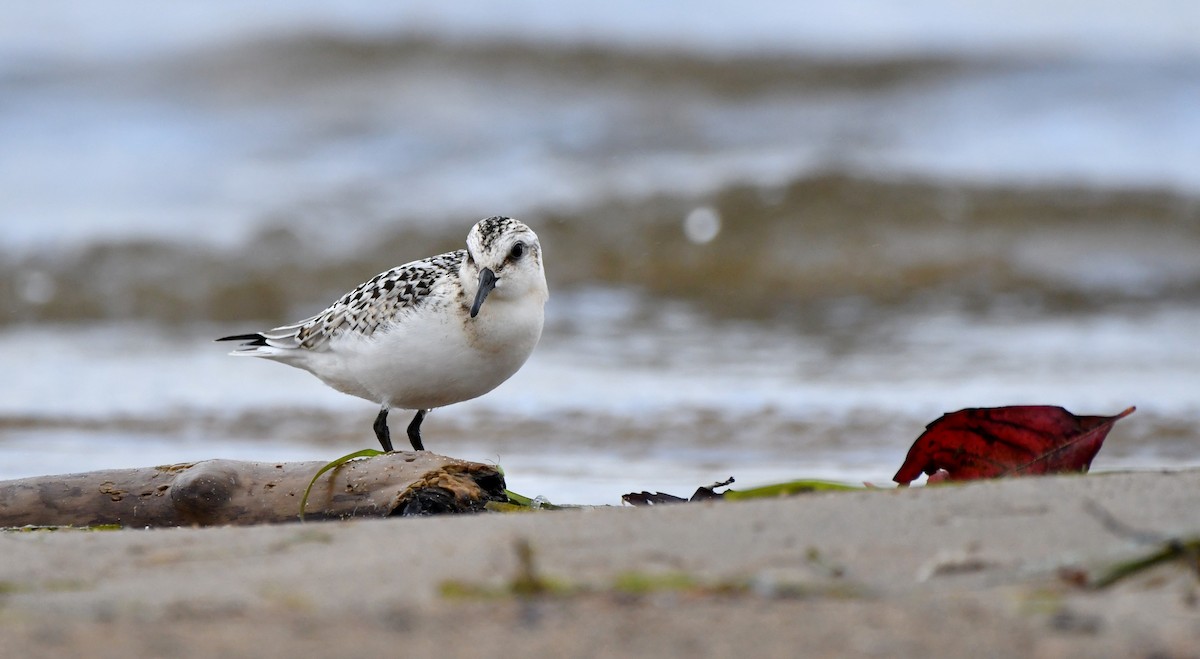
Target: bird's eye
(517,251)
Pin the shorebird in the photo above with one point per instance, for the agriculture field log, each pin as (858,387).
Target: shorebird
(419,336)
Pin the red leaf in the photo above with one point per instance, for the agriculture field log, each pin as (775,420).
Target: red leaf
(1019,440)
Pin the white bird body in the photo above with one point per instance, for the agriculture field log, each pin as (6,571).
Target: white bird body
(419,336)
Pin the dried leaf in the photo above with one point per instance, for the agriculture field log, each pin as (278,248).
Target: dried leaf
(651,498)
(706,492)
(702,493)
(1018,440)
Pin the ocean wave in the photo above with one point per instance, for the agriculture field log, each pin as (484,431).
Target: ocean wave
(124,28)
(751,251)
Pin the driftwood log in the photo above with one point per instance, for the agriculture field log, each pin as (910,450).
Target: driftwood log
(215,492)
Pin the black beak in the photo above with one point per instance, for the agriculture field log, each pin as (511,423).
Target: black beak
(487,281)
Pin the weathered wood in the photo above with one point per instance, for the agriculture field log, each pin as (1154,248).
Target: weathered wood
(216,492)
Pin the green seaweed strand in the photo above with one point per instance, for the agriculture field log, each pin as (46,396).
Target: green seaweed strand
(365,453)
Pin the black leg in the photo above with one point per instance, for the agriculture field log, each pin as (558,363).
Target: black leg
(414,431)
(381,430)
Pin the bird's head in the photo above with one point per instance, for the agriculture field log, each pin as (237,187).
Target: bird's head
(504,260)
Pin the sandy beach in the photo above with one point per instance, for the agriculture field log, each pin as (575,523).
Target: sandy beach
(947,571)
(778,244)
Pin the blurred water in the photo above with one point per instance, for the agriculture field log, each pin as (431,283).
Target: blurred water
(893,214)
(238,118)
(653,397)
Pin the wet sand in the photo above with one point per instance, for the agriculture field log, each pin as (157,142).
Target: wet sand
(947,571)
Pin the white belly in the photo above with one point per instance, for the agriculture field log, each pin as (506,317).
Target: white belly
(431,358)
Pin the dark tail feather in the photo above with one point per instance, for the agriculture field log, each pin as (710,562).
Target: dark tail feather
(251,339)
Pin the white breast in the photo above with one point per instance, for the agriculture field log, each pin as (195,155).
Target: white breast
(434,355)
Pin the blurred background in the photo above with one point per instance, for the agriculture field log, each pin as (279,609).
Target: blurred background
(780,238)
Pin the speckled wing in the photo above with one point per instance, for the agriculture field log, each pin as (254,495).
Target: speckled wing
(369,306)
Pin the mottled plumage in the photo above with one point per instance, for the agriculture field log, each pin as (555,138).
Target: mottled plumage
(492,228)
(375,302)
(418,336)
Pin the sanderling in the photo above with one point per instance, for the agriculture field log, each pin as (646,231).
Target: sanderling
(419,336)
